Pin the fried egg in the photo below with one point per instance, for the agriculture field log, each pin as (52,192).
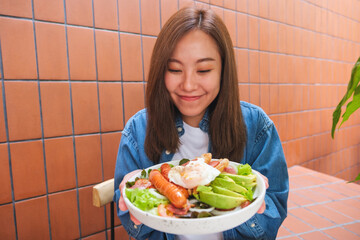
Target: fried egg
(195,173)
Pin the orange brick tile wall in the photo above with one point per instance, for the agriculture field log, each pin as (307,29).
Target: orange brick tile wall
(73,72)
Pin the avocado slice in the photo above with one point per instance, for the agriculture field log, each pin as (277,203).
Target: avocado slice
(247,181)
(224,191)
(220,201)
(229,184)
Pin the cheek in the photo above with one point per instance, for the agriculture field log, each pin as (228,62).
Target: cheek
(169,83)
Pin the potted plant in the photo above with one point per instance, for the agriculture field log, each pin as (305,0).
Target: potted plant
(353,89)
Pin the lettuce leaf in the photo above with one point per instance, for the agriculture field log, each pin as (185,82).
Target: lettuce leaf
(143,199)
(244,169)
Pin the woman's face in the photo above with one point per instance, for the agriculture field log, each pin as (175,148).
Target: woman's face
(193,75)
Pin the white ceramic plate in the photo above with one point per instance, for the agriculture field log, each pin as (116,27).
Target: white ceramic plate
(199,225)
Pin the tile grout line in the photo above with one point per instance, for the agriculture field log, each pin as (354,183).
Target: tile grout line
(41,119)
(8,143)
(237,12)
(122,87)
(142,54)
(98,105)
(72,120)
(320,229)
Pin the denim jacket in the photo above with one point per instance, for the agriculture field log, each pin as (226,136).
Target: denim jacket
(263,152)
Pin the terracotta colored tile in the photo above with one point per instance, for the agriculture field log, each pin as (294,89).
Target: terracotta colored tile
(92,218)
(254,67)
(330,214)
(343,189)
(85,107)
(241,5)
(253,24)
(19,8)
(81,53)
(60,164)
(117,221)
(5,189)
(315,235)
(230,22)
(274,99)
(23,110)
(2,117)
(265,98)
(218,10)
(264,34)
(295,225)
(231,4)
(254,94)
(171,7)
(51,49)
(111,106)
(56,112)
(264,67)
(120,231)
(27,169)
(354,227)
(311,218)
(129,16)
(264,8)
(244,93)
(108,55)
(312,195)
(219,3)
(131,57)
(242,65)
(64,215)
(105,14)
(7,219)
(273,68)
(299,199)
(133,98)
(253,7)
(242,30)
(289,13)
(150,19)
(32,219)
(79,12)
(348,210)
(88,159)
(52,11)
(110,145)
(283,232)
(340,233)
(97,236)
(148,45)
(17,49)
(282,35)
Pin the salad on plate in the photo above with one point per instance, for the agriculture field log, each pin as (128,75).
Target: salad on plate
(197,188)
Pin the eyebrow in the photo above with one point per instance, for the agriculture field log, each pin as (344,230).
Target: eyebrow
(198,61)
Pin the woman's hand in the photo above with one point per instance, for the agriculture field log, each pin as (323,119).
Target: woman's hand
(263,205)
(122,204)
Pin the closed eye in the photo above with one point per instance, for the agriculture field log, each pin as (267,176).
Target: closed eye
(174,70)
(204,71)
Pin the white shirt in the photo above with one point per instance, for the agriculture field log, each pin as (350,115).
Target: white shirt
(193,143)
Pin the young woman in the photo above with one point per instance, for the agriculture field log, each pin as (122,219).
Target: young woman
(193,107)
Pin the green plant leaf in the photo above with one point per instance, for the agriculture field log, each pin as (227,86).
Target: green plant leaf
(353,84)
(352,106)
(356,179)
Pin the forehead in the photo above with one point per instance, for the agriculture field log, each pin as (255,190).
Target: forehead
(196,44)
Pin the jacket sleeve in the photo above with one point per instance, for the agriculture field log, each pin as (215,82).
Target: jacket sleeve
(127,161)
(268,158)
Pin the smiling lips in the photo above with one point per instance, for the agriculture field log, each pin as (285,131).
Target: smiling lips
(189,98)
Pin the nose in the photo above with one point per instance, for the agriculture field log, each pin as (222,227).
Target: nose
(189,82)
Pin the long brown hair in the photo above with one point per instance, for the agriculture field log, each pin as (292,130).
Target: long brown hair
(227,130)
